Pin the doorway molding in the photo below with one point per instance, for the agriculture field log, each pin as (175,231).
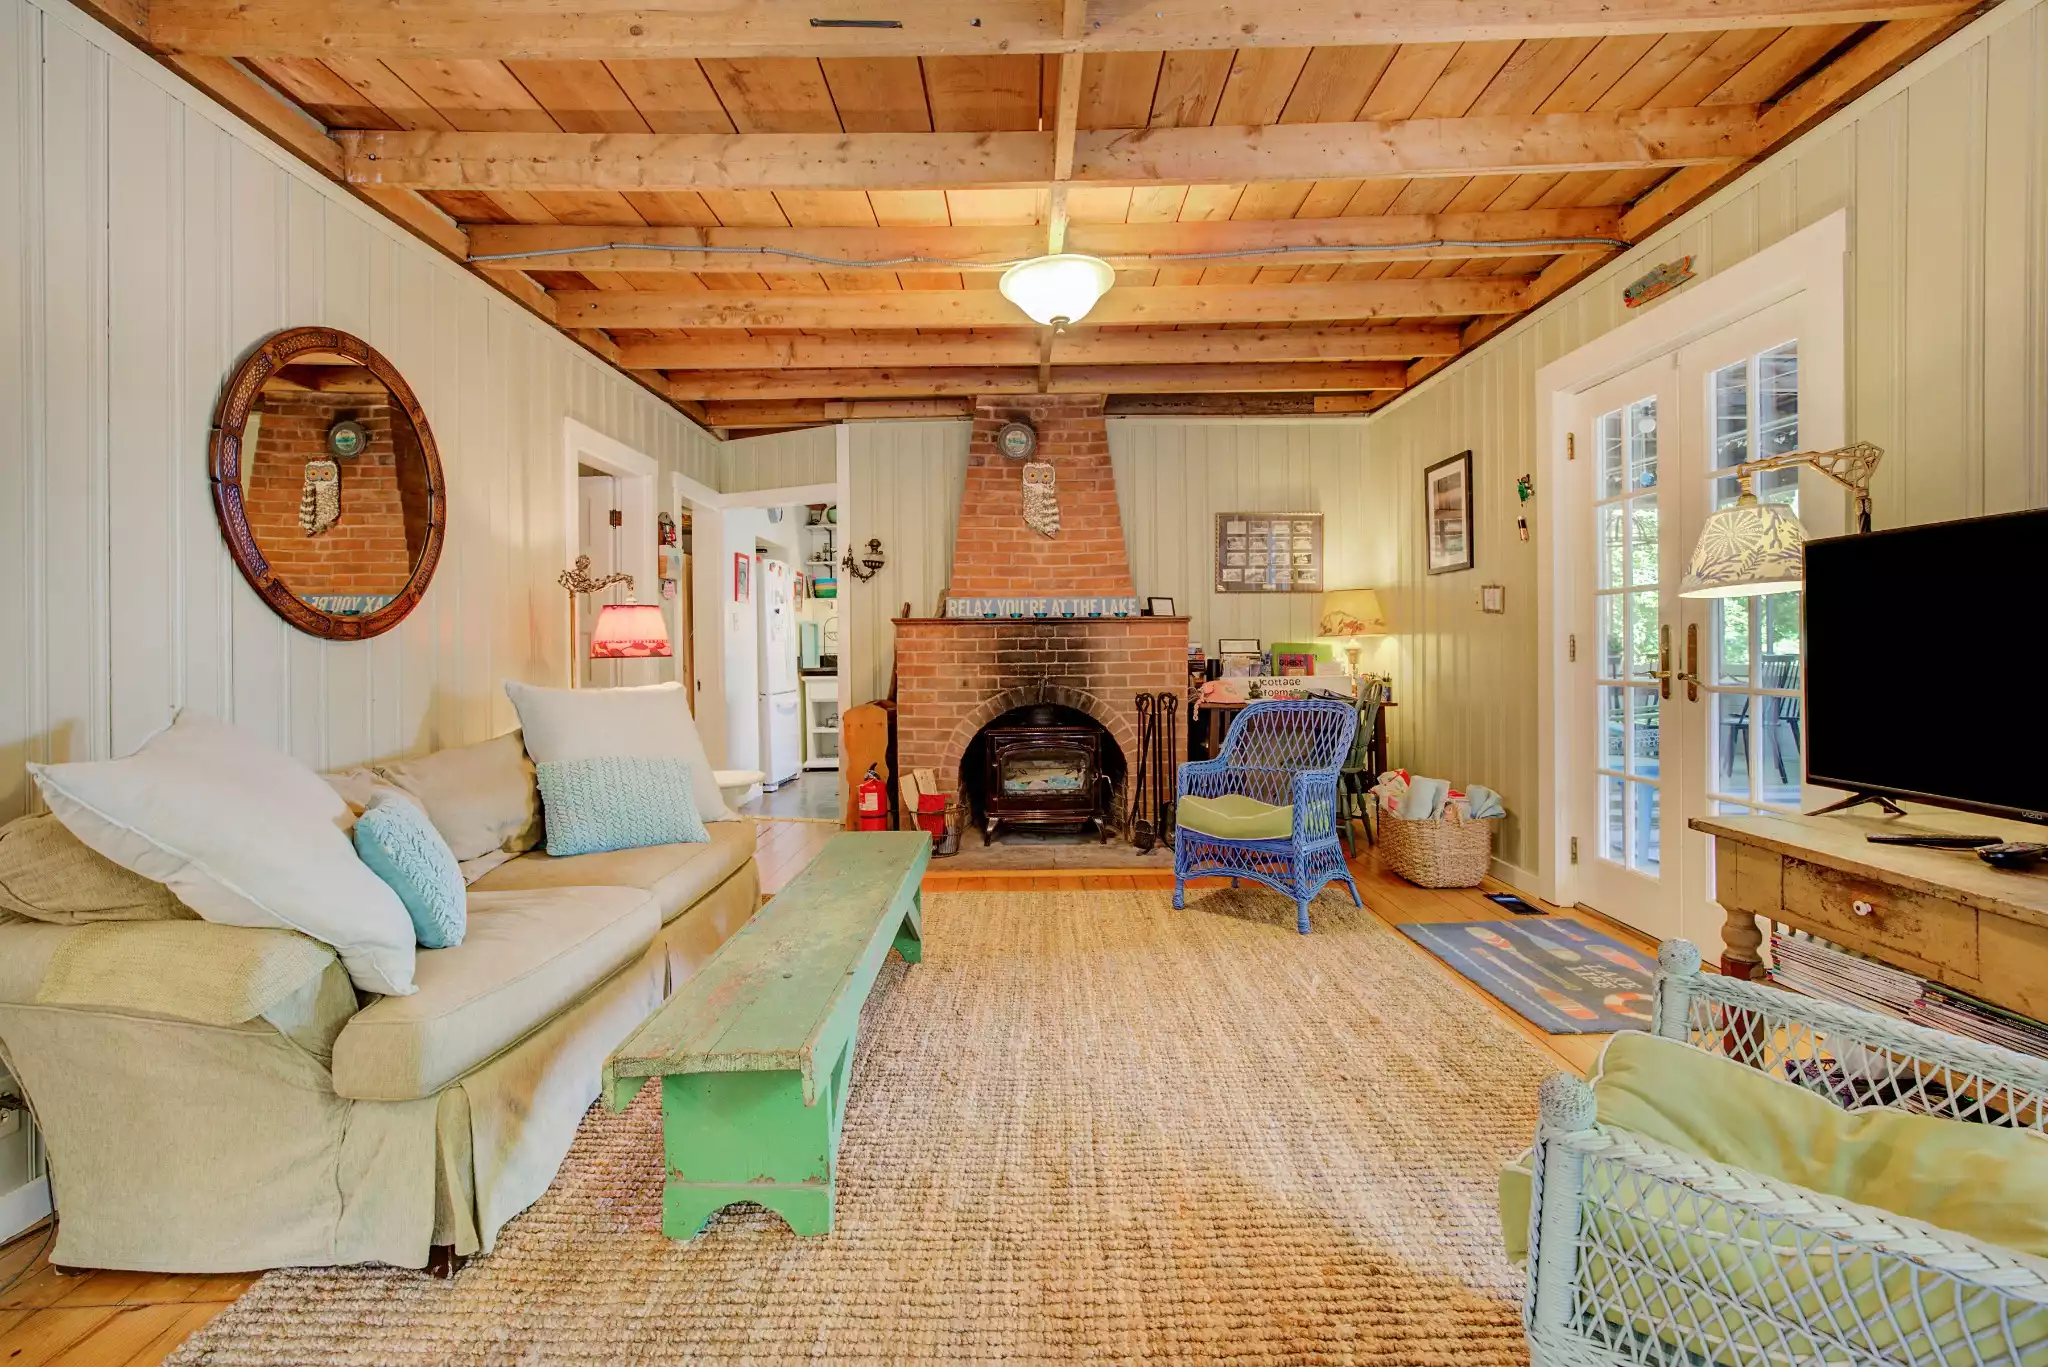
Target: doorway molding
(1809,265)
(637,474)
(712,584)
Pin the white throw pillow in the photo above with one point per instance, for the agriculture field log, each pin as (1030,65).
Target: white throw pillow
(607,723)
(245,835)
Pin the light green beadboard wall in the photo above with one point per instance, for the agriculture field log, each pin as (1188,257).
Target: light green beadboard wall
(1172,478)
(784,460)
(904,481)
(1944,172)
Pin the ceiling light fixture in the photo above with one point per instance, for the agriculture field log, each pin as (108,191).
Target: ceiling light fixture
(1057,290)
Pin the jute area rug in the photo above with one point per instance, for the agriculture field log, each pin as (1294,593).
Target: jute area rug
(1086,1128)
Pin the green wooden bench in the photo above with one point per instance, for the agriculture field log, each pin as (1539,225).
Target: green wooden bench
(755,1052)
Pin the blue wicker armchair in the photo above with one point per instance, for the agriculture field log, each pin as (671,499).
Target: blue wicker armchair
(1266,808)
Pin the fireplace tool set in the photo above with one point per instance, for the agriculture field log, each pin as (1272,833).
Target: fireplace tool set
(1154,784)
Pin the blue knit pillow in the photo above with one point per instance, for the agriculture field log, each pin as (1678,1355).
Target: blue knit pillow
(618,803)
(401,846)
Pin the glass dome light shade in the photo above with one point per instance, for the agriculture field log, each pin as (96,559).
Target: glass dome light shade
(1055,289)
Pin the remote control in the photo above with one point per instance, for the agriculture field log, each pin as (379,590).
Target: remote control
(2017,854)
(1935,842)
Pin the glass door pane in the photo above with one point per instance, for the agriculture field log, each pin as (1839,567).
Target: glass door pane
(1752,667)
(1629,617)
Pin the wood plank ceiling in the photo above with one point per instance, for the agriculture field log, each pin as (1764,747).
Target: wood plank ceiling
(781,212)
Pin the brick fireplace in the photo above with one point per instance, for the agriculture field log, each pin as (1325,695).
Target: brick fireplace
(1018,648)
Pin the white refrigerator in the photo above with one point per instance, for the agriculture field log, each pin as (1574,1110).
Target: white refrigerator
(781,707)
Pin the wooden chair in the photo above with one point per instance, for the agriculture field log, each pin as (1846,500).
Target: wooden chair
(1354,786)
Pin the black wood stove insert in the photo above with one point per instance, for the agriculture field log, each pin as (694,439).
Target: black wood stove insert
(1044,774)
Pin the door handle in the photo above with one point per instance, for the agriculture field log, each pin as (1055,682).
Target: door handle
(1691,674)
(1662,673)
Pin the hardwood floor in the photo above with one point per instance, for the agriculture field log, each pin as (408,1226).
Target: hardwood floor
(134,1319)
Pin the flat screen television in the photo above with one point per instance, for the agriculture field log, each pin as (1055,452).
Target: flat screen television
(1923,664)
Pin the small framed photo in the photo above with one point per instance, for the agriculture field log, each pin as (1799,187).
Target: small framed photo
(1294,666)
(1447,513)
(742,577)
(1238,645)
(1159,607)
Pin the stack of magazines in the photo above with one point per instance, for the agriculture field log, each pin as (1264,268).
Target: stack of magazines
(1821,970)
(1944,1008)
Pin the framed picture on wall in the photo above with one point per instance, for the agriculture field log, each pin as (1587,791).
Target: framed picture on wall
(742,577)
(1159,607)
(1269,552)
(1447,513)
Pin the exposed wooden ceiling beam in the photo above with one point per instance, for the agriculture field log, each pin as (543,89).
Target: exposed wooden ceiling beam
(965,381)
(600,30)
(1159,305)
(801,412)
(1486,145)
(1084,346)
(1262,242)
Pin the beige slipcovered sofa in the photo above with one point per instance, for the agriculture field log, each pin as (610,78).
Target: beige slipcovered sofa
(326,1128)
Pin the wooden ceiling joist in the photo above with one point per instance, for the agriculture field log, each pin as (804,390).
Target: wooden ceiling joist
(1158,305)
(1255,242)
(1499,144)
(1084,346)
(609,30)
(804,412)
(966,381)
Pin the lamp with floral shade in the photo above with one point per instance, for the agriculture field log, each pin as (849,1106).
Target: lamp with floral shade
(1350,615)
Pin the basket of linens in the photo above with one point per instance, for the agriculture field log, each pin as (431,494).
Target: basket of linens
(1445,840)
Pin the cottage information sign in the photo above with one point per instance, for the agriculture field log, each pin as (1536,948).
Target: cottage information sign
(1269,552)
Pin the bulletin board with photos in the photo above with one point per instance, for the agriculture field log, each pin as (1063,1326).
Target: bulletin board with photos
(1269,552)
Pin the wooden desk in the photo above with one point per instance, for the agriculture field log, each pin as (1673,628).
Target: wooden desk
(1943,914)
(1219,716)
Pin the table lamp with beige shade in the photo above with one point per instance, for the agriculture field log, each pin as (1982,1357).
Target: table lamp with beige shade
(1349,616)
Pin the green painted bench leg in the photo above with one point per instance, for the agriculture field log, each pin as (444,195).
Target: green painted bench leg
(732,1137)
(910,935)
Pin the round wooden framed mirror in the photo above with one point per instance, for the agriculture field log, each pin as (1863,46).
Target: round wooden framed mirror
(328,484)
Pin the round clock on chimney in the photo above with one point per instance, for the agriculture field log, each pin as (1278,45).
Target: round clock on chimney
(1016,440)
(347,439)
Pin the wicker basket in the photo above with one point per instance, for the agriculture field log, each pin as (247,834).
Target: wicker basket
(1453,852)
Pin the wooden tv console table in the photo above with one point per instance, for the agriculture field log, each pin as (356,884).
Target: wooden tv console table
(1943,914)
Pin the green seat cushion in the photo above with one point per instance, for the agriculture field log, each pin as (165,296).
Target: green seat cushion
(1235,817)
(1985,1181)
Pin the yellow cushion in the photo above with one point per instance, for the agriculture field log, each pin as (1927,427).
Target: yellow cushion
(1982,1180)
(1985,1181)
(1235,817)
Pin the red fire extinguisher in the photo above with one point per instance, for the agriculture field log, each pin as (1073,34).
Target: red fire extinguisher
(872,802)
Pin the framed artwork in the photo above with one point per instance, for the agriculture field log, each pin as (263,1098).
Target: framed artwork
(742,577)
(1239,645)
(1289,665)
(1236,665)
(1159,607)
(1269,552)
(1447,513)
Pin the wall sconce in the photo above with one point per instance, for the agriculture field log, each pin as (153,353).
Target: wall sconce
(869,564)
(1756,547)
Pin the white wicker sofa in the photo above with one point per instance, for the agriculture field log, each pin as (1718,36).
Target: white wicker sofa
(1640,1253)
(335,1128)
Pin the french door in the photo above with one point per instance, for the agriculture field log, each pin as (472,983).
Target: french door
(1684,706)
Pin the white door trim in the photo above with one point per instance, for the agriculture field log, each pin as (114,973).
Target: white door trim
(636,473)
(1811,264)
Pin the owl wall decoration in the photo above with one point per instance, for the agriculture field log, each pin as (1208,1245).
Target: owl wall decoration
(1041,499)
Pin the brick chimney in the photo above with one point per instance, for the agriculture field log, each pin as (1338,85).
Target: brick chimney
(1001,566)
(1031,618)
